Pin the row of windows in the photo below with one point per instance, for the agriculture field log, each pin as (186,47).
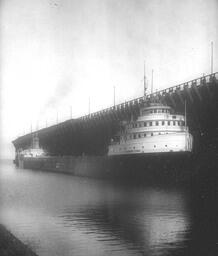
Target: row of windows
(121,149)
(157,123)
(142,135)
(156,111)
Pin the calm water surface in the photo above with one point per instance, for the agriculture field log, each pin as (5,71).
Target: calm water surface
(57,214)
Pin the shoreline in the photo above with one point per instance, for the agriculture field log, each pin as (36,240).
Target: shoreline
(12,246)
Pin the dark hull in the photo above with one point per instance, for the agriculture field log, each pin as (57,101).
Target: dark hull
(150,168)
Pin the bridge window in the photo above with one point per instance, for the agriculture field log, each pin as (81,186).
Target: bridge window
(145,123)
(159,111)
(155,111)
(152,134)
(174,123)
(168,122)
(145,134)
(157,123)
(134,136)
(139,135)
(163,122)
(150,123)
(174,117)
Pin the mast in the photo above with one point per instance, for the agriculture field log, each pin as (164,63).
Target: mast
(145,86)
(211,57)
(152,72)
(89,106)
(185,116)
(185,128)
(57,117)
(70,112)
(114,95)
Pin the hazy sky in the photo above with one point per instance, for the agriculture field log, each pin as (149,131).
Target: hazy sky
(57,54)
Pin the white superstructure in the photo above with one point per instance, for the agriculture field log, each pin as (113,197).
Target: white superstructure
(156,130)
(34,150)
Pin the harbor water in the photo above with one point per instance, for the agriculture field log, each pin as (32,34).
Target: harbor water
(60,214)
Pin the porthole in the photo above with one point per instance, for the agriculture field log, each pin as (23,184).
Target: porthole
(166,146)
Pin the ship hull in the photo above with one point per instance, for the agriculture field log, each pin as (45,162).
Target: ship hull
(179,167)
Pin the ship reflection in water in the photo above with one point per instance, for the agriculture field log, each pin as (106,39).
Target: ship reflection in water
(131,222)
(64,215)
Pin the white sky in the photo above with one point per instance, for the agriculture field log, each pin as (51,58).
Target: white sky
(57,54)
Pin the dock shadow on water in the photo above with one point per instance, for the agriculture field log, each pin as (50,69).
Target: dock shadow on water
(57,214)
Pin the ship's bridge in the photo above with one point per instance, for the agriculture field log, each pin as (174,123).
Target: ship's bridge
(154,108)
